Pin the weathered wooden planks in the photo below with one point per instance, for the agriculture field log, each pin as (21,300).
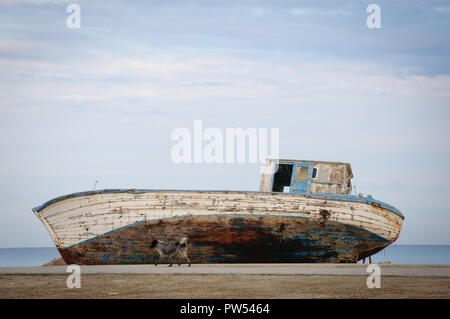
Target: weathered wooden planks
(74,221)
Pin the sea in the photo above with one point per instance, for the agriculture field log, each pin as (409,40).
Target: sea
(396,254)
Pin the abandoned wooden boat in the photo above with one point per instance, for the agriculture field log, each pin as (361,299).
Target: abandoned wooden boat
(304,212)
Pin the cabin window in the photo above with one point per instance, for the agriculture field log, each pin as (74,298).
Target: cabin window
(314,173)
(282,177)
(301,174)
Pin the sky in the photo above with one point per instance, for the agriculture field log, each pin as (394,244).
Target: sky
(100,102)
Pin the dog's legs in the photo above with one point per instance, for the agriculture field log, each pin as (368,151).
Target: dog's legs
(170,261)
(156,260)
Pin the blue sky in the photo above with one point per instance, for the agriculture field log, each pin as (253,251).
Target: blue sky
(100,102)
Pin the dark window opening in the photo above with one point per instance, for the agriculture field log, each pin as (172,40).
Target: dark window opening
(282,177)
(314,173)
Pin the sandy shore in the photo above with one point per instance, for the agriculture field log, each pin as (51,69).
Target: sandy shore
(221,286)
(227,281)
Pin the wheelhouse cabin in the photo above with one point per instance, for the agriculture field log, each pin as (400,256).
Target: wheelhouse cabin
(306,177)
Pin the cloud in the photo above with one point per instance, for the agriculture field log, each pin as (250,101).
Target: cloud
(304,11)
(258,12)
(443,10)
(32,2)
(175,77)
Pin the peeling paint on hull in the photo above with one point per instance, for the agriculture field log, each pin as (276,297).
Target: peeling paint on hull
(224,227)
(232,239)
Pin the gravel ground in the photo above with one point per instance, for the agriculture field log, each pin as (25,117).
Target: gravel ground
(220,286)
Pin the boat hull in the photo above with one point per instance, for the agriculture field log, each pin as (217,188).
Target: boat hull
(117,227)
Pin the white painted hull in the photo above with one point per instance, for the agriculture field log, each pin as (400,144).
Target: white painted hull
(79,219)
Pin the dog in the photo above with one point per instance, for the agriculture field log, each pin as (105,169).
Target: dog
(169,249)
